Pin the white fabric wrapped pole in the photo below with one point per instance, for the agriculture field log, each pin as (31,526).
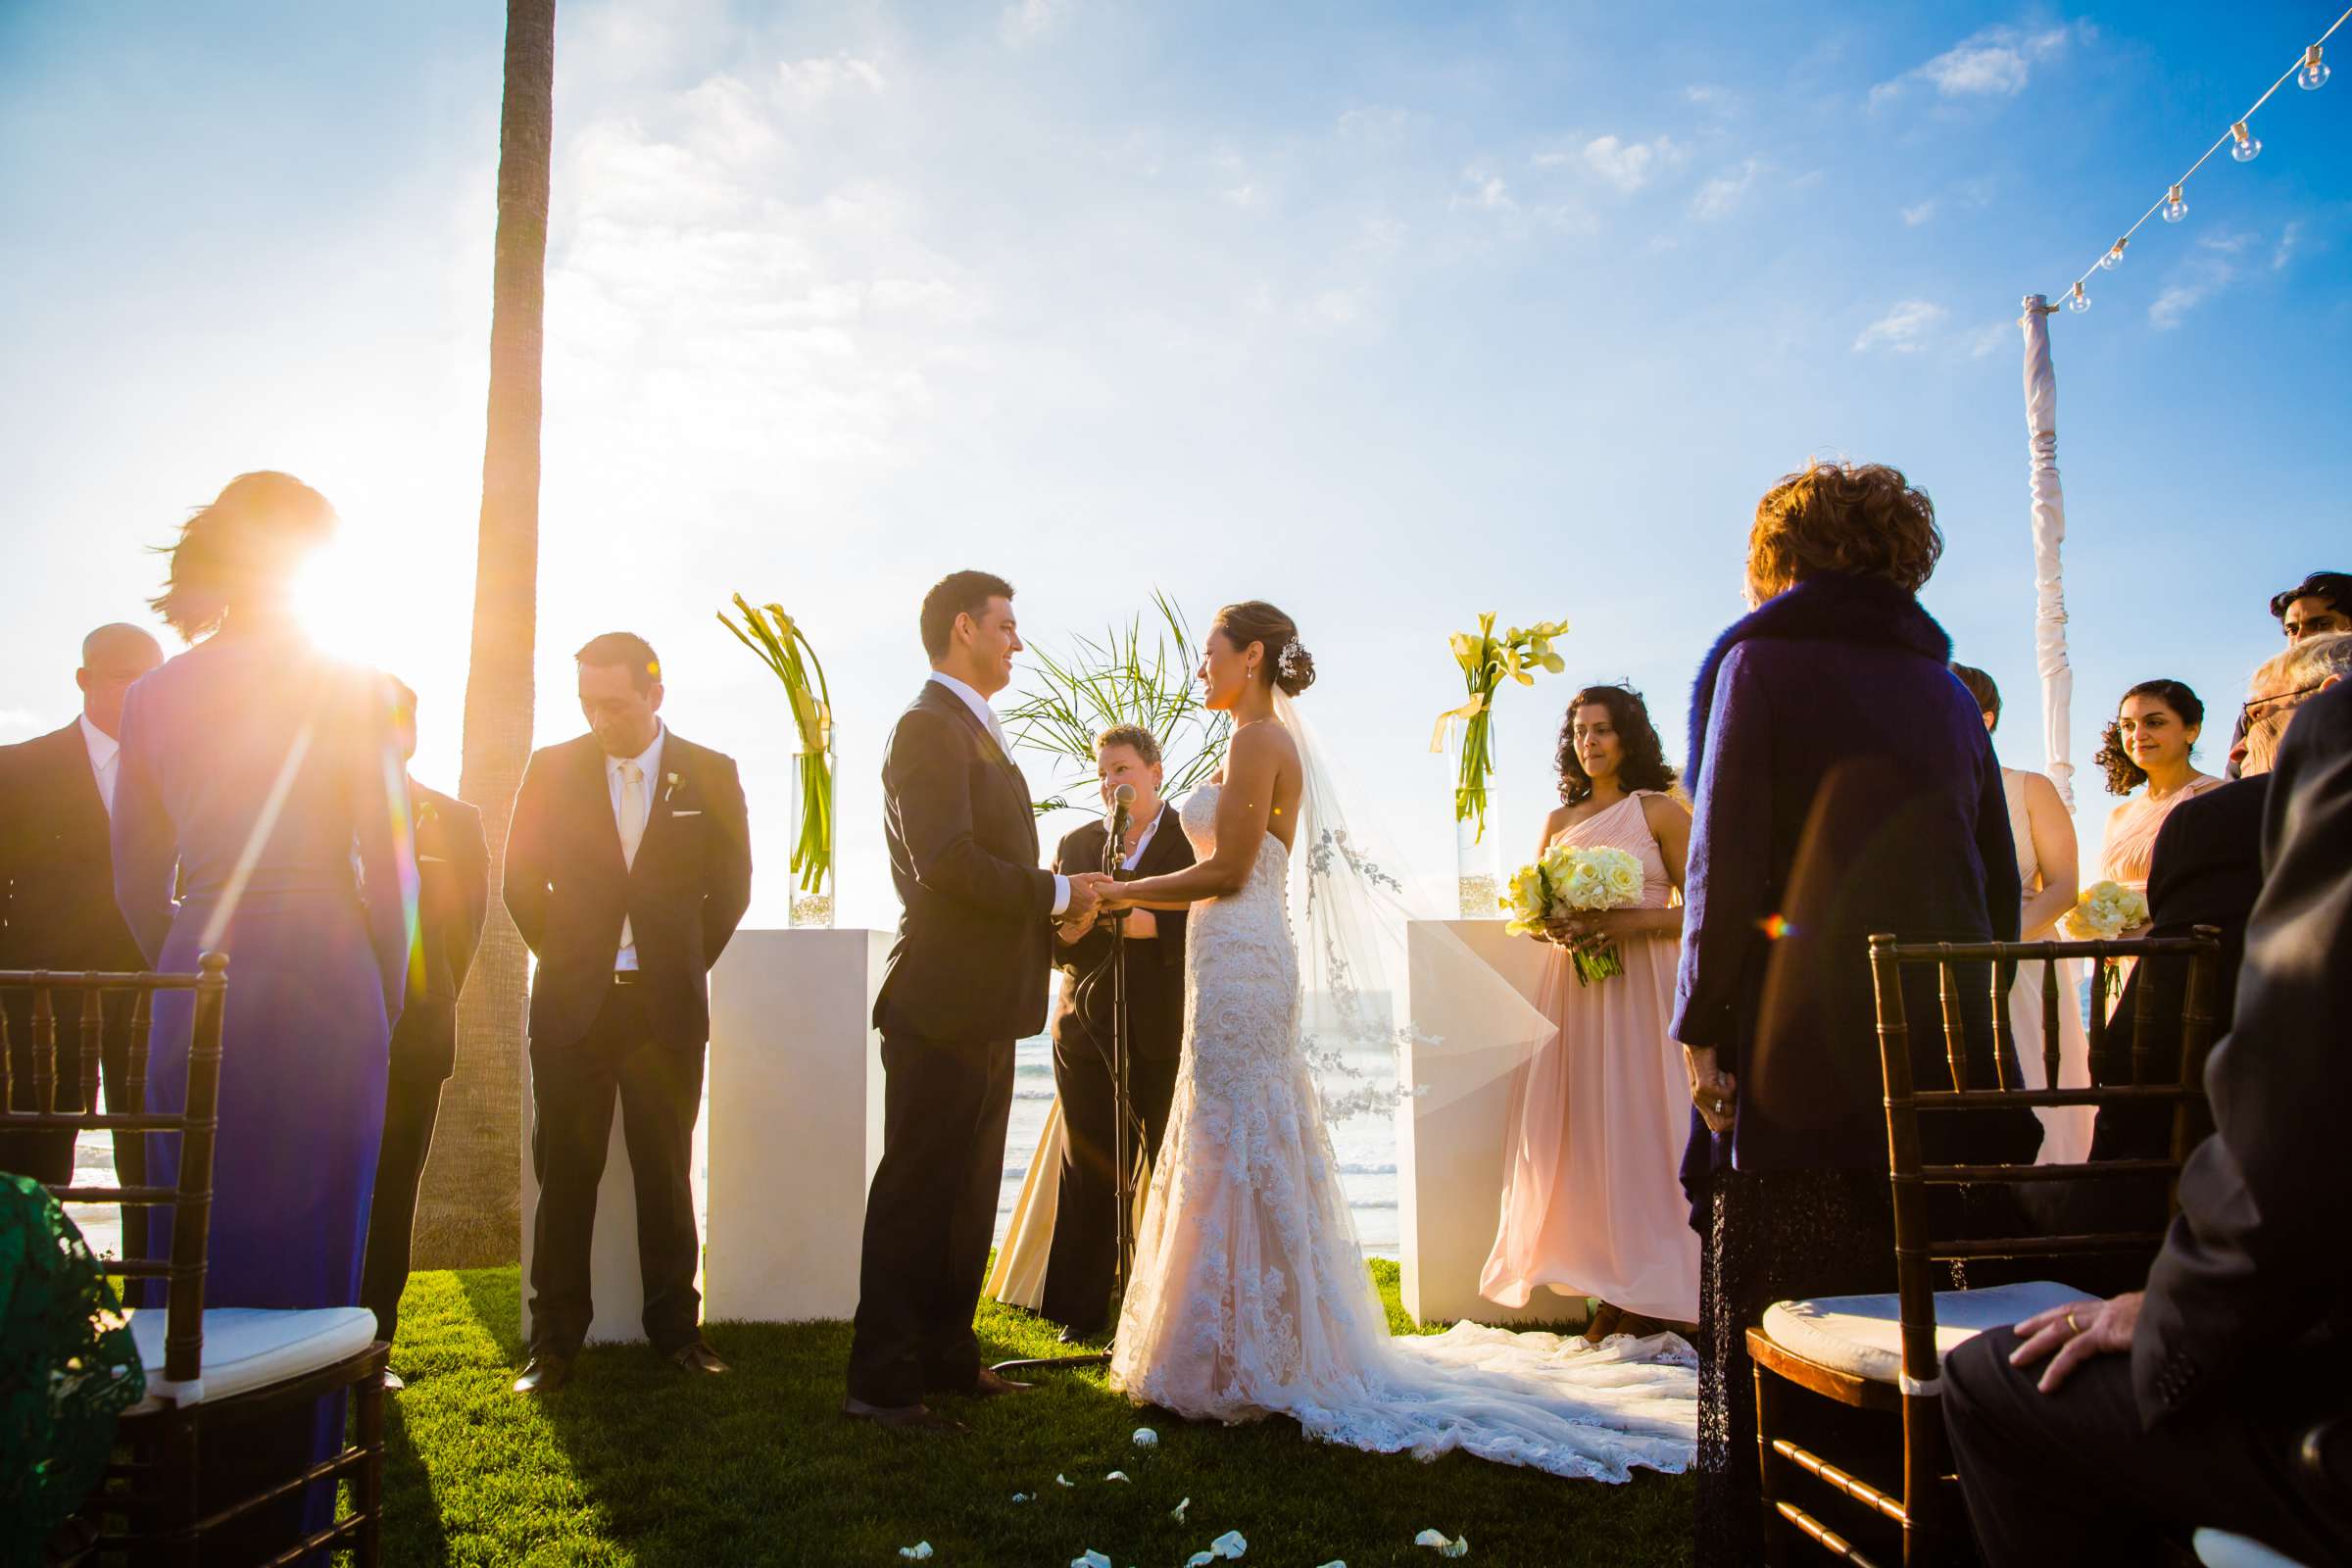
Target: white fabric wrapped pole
(2049,533)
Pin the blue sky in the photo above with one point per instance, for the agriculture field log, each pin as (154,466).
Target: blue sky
(1388,314)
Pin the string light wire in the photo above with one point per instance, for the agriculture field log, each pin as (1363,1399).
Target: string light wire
(2075,291)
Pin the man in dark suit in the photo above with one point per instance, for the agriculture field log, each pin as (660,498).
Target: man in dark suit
(965,979)
(1079,1266)
(628,864)
(2184,1404)
(57,901)
(453,898)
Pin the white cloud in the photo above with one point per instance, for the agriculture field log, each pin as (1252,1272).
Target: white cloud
(1904,330)
(1025,21)
(1994,63)
(808,83)
(1627,166)
(1718,196)
(1990,337)
(2177,299)
(1916,216)
(2288,238)
(1488,191)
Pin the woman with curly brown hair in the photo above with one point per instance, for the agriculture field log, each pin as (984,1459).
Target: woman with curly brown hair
(1844,785)
(2152,740)
(1599,1118)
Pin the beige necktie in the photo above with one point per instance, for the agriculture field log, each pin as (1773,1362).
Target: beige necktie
(632,829)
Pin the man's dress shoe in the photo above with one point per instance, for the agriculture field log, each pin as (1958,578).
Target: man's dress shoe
(697,1356)
(544,1374)
(987,1386)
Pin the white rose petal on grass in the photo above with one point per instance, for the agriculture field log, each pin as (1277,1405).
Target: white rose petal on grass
(1458,1546)
(1229,1546)
(1093,1559)
(1177,1512)
(920,1552)
(1146,1437)
(1199,1558)
(1063,1480)
(1020,1497)
(1116,1475)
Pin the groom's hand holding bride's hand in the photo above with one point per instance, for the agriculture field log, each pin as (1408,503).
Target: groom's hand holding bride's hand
(1086,897)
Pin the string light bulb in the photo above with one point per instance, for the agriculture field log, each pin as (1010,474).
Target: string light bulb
(2078,301)
(2247,146)
(2114,257)
(2314,74)
(2176,206)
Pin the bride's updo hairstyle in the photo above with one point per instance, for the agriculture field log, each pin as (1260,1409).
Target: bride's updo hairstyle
(241,550)
(1287,663)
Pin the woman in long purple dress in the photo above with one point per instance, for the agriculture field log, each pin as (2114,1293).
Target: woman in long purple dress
(259,813)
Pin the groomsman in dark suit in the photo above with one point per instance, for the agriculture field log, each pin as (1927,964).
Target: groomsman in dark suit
(628,864)
(56,899)
(965,979)
(1079,1267)
(2090,1430)
(453,898)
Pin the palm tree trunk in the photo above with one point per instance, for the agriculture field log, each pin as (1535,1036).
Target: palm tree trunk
(470,1213)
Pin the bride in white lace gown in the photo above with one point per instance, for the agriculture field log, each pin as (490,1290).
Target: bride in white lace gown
(1250,1294)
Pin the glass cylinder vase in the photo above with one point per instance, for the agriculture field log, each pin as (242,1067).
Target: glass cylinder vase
(811,825)
(1477,840)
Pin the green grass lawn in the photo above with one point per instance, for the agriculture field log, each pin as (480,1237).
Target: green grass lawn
(634,1463)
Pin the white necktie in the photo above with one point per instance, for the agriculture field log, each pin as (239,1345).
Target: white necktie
(631,822)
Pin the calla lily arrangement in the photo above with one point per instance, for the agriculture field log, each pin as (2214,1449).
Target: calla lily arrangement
(777,639)
(1487,661)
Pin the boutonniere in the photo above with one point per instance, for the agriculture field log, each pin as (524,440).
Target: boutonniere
(670,781)
(427,814)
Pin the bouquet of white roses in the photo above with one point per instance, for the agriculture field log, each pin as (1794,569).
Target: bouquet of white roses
(2105,910)
(1567,880)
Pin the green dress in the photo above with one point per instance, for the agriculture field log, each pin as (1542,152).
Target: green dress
(68,1369)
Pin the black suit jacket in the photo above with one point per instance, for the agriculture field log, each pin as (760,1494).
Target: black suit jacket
(975,939)
(2205,869)
(453,898)
(57,863)
(2254,1284)
(569,889)
(1154,969)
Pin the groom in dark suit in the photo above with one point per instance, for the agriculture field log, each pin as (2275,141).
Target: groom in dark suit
(628,864)
(57,901)
(966,978)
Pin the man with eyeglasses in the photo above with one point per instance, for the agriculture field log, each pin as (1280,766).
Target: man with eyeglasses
(56,897)
(2319,605)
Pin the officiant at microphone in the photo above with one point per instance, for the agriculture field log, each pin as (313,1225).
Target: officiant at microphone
(1079,1266)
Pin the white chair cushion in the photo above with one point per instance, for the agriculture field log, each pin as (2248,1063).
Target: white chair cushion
(247,1349)
(2218,1549)
(1863,1335)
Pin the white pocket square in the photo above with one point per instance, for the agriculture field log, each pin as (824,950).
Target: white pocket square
(686,813)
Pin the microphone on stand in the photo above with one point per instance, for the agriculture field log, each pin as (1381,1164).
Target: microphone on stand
(1120,799)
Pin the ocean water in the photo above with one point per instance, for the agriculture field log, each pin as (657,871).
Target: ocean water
(1366,1146)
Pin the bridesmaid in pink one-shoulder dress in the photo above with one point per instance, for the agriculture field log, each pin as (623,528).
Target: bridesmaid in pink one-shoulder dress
(1592,1204)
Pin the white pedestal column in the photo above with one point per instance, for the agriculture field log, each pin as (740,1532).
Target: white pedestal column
(795,1120)
(1449,1142)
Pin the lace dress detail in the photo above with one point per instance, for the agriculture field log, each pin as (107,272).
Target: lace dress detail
(1250,1296)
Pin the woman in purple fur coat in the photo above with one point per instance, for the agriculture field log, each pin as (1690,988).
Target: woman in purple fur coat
(1844,785)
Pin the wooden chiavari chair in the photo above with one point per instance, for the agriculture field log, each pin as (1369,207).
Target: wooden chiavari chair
(148,1508)
(1884,1353)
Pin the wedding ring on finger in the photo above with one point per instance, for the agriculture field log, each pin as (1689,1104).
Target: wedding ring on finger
(2071,1326)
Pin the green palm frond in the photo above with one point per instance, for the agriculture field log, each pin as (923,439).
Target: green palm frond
(1141,673)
